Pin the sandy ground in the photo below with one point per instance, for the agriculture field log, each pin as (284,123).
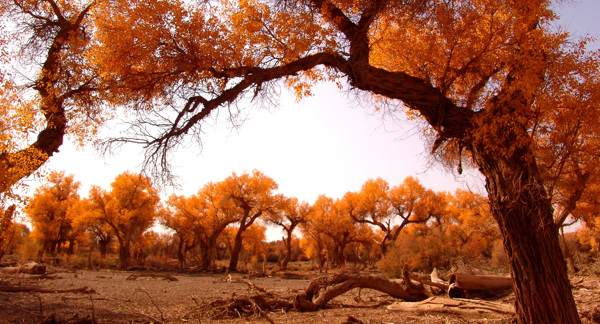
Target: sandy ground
(154,300)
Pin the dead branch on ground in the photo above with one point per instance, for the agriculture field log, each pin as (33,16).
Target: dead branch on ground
(162,317)
(17,289)
(317,296)
(463,306)
(29,268)
(134,276)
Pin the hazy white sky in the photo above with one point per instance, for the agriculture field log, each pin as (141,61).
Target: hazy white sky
(326,144)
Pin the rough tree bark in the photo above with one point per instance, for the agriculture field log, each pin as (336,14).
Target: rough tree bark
(523,211)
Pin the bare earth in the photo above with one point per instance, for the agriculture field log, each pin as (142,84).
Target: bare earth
(154,300)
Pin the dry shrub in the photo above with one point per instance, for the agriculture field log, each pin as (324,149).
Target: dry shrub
(28,250)
(420,253)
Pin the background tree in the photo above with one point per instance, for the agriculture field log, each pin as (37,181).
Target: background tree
(51,211)
(200,219)
(473,225)
(248,196)
(91,218)
(129,209)
(255,245)
(332,218)
(289,215)
(372,206)
(7,230)
(182,232)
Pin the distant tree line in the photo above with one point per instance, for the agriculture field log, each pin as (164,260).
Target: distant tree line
(225,223)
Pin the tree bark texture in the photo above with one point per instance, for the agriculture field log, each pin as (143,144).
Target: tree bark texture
(522,208)
(235,252)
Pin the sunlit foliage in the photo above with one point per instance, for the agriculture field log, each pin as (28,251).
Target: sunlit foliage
(47,84)
(130,209)
(52,210)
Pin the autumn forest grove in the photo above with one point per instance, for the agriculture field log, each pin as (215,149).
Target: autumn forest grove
(493,86)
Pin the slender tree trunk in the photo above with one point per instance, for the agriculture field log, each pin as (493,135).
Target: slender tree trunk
(235,252)
(288,251)
(524,213)
(123,254)
(206,252)
(383,245)
(181,253)
(71,248)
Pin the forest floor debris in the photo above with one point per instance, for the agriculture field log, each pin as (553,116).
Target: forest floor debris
(218,298)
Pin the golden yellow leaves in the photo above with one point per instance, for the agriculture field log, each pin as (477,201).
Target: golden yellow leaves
(19,119)
(52,211)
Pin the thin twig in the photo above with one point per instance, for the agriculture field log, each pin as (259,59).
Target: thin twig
(41,304)
(153,303)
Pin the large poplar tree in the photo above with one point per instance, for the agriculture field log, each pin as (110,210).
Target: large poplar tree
(475,71)
(487,77)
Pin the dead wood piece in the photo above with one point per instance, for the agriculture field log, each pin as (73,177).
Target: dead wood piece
(339,284)
(291,275)
(29,268)
(480,282)
(463,285)
(353,320)
(439,286)
(257,306)
(134,276)
(17,289)
(45,276)
(319,292)
(463,306)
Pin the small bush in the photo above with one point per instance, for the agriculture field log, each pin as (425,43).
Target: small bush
(28,250)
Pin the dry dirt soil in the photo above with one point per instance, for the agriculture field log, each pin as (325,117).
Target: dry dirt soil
(111,298)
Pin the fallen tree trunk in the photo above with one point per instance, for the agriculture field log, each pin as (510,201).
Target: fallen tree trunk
(462,284)
(29,268)
(342,283)
(462,306)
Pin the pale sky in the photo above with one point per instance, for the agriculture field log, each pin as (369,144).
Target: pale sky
(326,144)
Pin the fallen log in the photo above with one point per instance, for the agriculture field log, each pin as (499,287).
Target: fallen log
(463,284)
(134,276)
(462,306)
(16,289)
(29,268)
(339,284)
